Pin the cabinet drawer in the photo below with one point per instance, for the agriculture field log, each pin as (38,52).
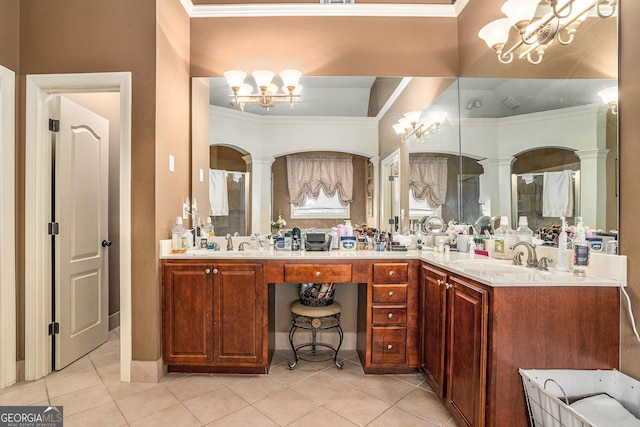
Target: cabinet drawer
(389,315)
(390,273)
(388,345)
(317,273)
(389,294)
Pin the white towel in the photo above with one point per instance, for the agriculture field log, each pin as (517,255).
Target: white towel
(557,194)
(604,411)
(482,189)
(527,178)
(218,196)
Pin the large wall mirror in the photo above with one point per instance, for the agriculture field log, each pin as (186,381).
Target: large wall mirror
(504,127)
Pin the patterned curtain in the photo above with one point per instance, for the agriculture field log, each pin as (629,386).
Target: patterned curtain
(428,179)
(307,175)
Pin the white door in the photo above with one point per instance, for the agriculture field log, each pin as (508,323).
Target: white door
(81,210)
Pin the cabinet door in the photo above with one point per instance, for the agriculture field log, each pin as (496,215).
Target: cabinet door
(238,314)
(187,324)
(433,327)
(467,351)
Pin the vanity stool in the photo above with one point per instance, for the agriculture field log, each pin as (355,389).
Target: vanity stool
(314,319)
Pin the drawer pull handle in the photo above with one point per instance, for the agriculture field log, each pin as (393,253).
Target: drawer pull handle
(389,346)
(390,272)
(317,274)
(390,315)
(390,293)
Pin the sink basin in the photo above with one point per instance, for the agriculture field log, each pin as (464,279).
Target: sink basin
(495,270)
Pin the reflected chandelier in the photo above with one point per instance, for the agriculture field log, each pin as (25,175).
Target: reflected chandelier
(560,23)
(411,128)
(267,95)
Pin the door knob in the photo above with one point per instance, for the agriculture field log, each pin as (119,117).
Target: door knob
(106,243)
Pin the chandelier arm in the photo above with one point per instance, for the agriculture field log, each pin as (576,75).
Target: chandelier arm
(557,11)
(612,4)
(571,33)
(537,61)
(505,58)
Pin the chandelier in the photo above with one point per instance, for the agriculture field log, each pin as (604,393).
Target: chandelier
(411,128)
(535,35)
(267,93)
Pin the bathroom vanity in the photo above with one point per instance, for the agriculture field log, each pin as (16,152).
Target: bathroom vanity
(467,324)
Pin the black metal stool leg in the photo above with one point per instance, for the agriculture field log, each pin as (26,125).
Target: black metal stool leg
(314,333)
(335,356)
(293,348)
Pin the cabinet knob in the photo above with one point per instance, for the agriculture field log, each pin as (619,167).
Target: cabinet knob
(449,286)
(207,271)
(390,315)
(215,271)
(391,273)
(389,346)
(317,274)
(390,293)
(439,282)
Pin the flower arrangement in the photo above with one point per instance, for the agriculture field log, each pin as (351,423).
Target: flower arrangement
(279,223)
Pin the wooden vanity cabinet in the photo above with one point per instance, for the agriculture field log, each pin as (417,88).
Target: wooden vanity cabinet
(433,296)
(213,315)
(391,318)
(475,337)
(454,342)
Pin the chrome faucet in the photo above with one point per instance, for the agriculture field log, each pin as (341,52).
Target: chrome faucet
(532,257)
(229,242)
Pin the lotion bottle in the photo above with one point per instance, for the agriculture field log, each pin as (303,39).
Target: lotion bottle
(580,251)
(561,264)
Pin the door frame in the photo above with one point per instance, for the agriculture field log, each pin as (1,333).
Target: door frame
(39,88)
(7,228)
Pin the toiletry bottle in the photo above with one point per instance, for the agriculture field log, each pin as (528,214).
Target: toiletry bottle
(348,228)
(504,239)
(178,238)
(580,251)
(523,232)
(208,233)
(561,264)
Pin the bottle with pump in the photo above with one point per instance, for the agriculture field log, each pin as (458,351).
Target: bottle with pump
(178,238)
(504,239)
(580,251)
(561,264)
(348,228)
(523,232)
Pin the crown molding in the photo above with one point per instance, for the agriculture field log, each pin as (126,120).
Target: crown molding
(313,9)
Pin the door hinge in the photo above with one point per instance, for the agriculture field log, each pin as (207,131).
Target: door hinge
(54,228)
(54,125)
(54,328)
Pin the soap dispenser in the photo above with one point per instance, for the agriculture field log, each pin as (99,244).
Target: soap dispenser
(561,264)
(580,251)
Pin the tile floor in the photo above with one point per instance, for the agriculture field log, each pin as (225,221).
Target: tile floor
(314,394)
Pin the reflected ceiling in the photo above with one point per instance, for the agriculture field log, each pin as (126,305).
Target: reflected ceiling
(479,97)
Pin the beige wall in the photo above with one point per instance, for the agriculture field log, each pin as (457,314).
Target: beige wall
(629,182)
(326,46)
(112,35)
(120,35)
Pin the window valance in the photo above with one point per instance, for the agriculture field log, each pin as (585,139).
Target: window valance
(307,175)
(428,179)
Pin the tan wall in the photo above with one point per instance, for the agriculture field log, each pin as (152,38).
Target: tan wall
(629,112)
(119,35)
(173,106)
(10,34)
(113,35)
(331,46)
(200,143)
